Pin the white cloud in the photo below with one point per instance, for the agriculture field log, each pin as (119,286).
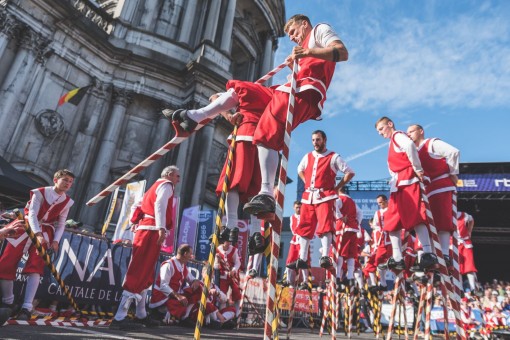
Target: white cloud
(460,63)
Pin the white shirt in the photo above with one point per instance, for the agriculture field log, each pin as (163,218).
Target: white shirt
(439,149)
(163,193)
(165,274)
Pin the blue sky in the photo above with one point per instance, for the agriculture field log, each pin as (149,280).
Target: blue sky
(443,64)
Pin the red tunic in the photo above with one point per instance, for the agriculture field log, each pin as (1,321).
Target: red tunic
(320,178)
(148,203)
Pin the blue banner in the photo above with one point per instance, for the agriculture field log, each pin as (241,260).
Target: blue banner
(205,229)
(483,182)
(92,268)
(367,201)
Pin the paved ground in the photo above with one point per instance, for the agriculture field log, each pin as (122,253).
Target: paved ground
(167,332)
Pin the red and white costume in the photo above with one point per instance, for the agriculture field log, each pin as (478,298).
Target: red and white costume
(405,208)
(228,261)
(294,242)
(318,208)
(245,170)
(348,231)
(173,278)
(313,79)
(46,212)
(440,160)
(215,303)
(466,257)
(157,209)
(380,248)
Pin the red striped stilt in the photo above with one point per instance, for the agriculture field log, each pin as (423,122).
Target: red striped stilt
(428,306)
(454,298)
(421,304)
(271,324)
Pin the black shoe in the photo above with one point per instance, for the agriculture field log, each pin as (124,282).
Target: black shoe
(428,261)
(24,315)
(479,292)
(5,314)
(260,204)
(449,264)
(326,262)
(253,273)
(373,289)
(181,116)
(215,324)
(230,324)
(224,234)
(298,264)
(303,286)
(148,322)
(383,288)
(396,265)
(125,324)
(233,236)
(256,244)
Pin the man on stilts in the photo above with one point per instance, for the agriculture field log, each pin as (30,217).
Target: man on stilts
(318,171)
(405,209)
(319,49)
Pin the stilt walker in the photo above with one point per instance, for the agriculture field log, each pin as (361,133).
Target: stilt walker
(215,239)
(271,324)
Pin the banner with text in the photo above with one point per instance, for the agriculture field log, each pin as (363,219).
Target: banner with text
(188,226)
(92,268)
(205,229)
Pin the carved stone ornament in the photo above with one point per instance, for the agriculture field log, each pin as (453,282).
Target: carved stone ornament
(49,123)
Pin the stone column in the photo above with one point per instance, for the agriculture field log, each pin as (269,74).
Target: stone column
(187,21)
(126,16)
(203,166)
(108,145)
(161,137)
(148,20)
(228,24)
(86,143)
(212,20)
(266,60)
(13,90)
(10,29)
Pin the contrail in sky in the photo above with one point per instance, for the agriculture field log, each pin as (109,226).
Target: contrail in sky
(369,151)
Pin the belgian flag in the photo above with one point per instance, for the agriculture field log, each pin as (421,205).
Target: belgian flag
(74,96)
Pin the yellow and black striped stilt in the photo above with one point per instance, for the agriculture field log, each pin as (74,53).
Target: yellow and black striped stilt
(216,236)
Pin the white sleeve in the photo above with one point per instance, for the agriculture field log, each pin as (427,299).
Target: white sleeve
(190,277)
(163,194)
(61,223)
(451,154)
(359,214)
(338,204)
(325,35)
(467,217)
(410,149)
(165,274)
(33,210)
(237,260)
(302,165)
(340,165)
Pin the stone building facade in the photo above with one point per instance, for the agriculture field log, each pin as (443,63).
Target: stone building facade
(140,56)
